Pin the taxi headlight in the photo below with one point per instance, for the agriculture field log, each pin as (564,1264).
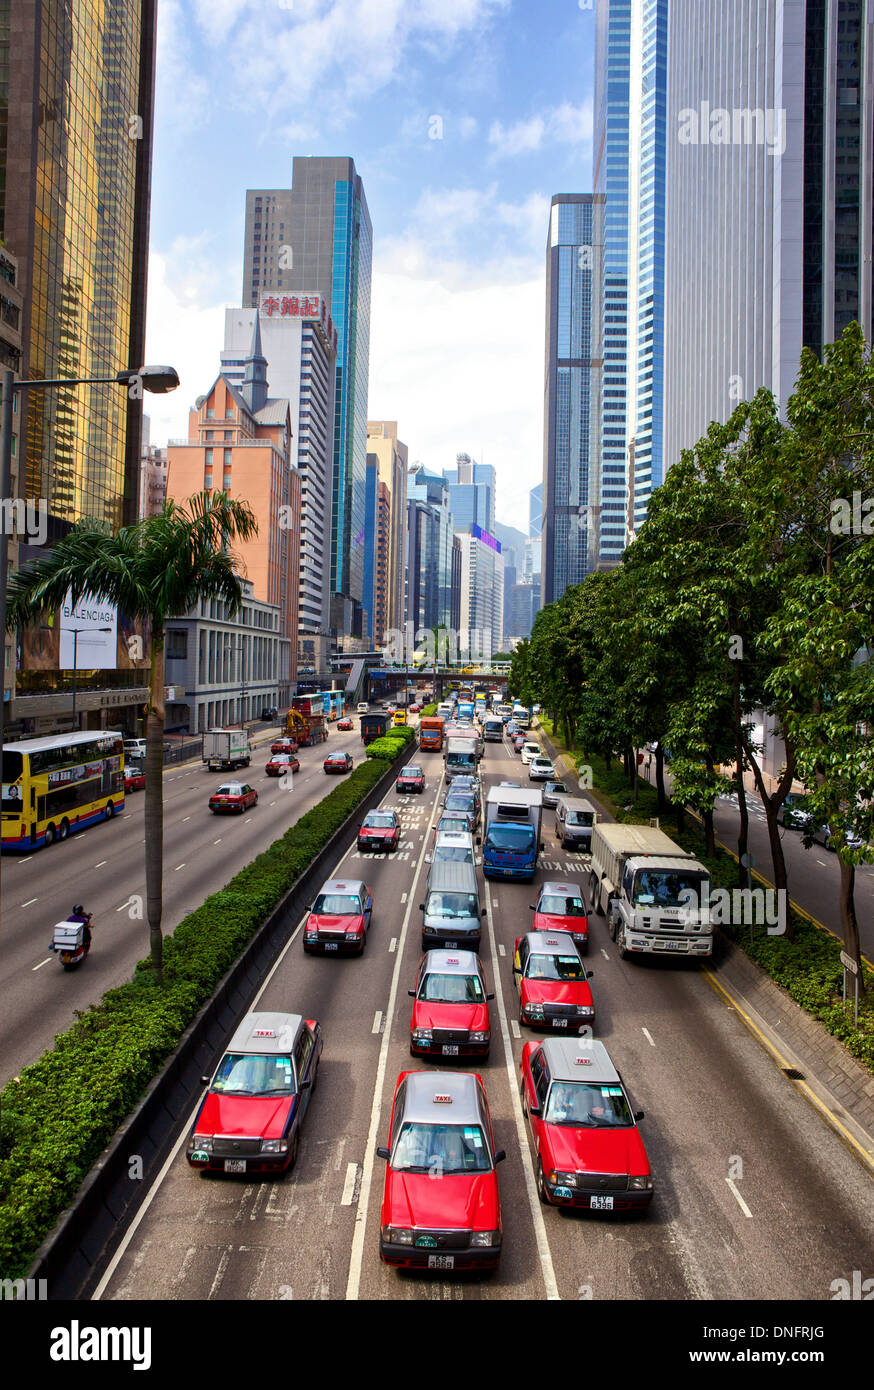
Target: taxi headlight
(422,1034)
(536,1010)
(397,1235)
(640,1183)
(586,1010)
(485,1238)
(355,935)
(481,1035)
(274,1146)
(563,1179)
(202,1142)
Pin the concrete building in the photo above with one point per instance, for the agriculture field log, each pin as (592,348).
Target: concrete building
(393,461)
(11,303)
(319,235)
(377,521)
(299,341)
(471,493)
(239,441)
(153,476)
(432,570)
(482,591)
(578,504)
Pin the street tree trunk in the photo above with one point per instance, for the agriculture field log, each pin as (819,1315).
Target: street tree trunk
(772,803)
(849,921)
(743,809)
(154,807)
(660,778)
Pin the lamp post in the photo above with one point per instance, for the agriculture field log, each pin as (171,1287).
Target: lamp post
(158,380)
(75,631)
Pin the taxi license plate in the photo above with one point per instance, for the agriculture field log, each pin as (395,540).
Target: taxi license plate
(451,945)
(601,1203)
(235,1165)
(331,945)
(441,1261)
(559,1023)
(450,1049)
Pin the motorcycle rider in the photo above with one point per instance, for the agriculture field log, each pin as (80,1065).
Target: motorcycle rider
(80,915)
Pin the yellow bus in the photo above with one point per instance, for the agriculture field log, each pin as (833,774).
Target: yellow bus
(399,716)
(55,786)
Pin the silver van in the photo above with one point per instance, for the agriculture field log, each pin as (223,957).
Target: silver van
(452,916)
(574,818)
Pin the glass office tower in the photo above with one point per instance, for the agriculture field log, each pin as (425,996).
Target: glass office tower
(471,493)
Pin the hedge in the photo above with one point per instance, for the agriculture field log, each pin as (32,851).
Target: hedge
(62,1111)
(394,740)
(428,710)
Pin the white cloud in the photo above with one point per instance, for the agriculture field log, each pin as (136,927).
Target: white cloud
(566,125)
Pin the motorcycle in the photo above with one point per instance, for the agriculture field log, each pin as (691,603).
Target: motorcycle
(71,940)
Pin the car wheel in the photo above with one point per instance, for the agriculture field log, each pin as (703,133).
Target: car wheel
(63,830)
(541,1188)
(295,1144)
(50,835)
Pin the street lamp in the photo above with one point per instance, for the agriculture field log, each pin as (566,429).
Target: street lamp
(75,631)
(157,379)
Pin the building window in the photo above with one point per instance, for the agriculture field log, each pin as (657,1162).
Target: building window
(177,644)
(210,414)
(228,453)
(208,434)
(208,458)
(207,479)
(226,482)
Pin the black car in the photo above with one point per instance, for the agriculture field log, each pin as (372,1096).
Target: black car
(269,713)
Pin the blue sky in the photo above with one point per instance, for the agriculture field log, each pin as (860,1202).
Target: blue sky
(463,118)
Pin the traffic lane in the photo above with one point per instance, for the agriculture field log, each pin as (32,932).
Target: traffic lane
(208,1236)
(103,867)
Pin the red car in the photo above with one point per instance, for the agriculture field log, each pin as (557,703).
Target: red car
(251,1116)
(518,743)
(414,709)
(552,982)
(281,762)
(451,1010)
(283,745)
(441,1208)
(560,907)
(379,830)
(345,723)
(340,917)
(134,778)
(410,779)
(589,1151)
(338,762)
(233,796)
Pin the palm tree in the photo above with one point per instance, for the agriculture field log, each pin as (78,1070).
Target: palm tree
(153,570)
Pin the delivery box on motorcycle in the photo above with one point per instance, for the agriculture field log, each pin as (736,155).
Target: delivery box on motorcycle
(68,936)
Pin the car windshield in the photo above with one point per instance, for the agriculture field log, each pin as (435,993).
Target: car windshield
(229,789)
(510,838)
(450,905)
(379,821)
(412,772)
(453,821)
(451,989)
(555,968)
(441,1149)
(460,801)
(250,1074)
(581,818)
(663,888)
(561,906)
(542,762)
(453,854)
(337,905)
(555,789)
(596,1107)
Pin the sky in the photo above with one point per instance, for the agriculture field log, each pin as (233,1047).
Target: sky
(463,117)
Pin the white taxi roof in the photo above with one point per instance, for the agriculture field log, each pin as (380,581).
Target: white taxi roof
(269,1033)
(440,1097)
(544,943)
(451,963)
(574,1060)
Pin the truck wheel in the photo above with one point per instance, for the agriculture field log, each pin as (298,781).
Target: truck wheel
(596,896)
(624,952)
(49,834)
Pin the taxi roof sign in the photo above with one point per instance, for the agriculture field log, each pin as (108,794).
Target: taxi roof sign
(264,1033)
(582,1061)
(442,1100)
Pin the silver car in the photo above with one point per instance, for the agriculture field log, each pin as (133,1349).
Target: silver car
(541,769)
(553,790)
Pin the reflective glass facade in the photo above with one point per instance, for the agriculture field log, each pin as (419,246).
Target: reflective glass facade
(431,599)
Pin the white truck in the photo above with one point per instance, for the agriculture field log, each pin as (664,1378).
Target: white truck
(655,894)
(460,757)
(226,748)
(511,842)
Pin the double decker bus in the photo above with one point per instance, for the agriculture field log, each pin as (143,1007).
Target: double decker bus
(319,703)
(54,786)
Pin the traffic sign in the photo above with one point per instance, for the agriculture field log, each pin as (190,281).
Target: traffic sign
(848,963)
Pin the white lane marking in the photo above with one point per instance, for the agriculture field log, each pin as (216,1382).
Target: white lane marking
(127,817)
(29,901)
(349,1184)
(123,906)
(218,841)
(648,1035)
(501,949)
(392,944)
(740,1201)
(822,862)
(185,818)
(495,903)
(42,963)
(403,897)
(514,1028)
(377,1021)
(178,867)
(356,1256)
(540,1235)
(27,860)
(604,954)
(101,864)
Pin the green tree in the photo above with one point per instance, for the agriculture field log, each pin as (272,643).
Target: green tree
(153,570)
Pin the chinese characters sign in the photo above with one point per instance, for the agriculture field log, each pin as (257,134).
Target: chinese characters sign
(303,306)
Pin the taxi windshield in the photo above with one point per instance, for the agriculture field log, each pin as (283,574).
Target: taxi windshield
(229,789)
(451,989)
(379,822)
(337,905)
(251,1074)
(555,968)
(451,905)
(412,772)
(596,1107)
(561,906)
(440,1149)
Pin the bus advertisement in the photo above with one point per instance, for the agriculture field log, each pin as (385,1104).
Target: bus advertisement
(55,786)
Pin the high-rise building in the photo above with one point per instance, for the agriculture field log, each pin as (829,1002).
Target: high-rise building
(577,512)
(535,510)
(770,212)
(377,524)
(482,592)
(299,342)
(75,165)
(153,476)
(432,572)
(319,235)
(629,144)
(471,493)
(393,459)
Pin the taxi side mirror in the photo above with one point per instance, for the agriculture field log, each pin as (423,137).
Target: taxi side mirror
(306,1085)
(533,1109)
(489,996)
(411,993)
(205,1080)
(500,1156)
(382,1152)
(482,912)
(589,974)
(421,907)
(531,905)
(638,1114)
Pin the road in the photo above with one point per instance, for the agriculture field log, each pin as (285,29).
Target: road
(103,867)
(796,1215)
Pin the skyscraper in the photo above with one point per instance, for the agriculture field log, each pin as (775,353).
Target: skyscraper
(320,237)
(393,459)
(535,511)
(471,493)
(431,567)
(573,509)
(482,593)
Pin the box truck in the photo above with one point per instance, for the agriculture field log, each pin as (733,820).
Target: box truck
(225,748)
(655,894)
(511,842)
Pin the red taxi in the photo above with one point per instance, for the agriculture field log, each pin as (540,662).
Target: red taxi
(589,1151)
(344,724)
(250,1118)
(379,830)
(451,1010)
(340,917)
(283,745)
(410,779)
(281,762)
(338,762)
(560,907)
(233,796)
(552,982)
(134,778)
(441,1208)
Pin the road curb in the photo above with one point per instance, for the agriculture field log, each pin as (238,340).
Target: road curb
(72,1256)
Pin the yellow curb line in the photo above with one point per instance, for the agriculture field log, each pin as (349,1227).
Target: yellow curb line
(865,1155)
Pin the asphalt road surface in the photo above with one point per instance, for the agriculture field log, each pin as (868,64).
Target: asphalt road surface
(103,868)
(755,1197)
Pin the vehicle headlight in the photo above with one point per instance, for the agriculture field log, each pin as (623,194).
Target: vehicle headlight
(485,1238)
(274,1146)
(422,1034)
(585,1010)
(563,1179)
(534,1009)
(581,936)
(640,1183)
(355,935)
(397,1235)
(312,934)
(481,1035)
(203,1142)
